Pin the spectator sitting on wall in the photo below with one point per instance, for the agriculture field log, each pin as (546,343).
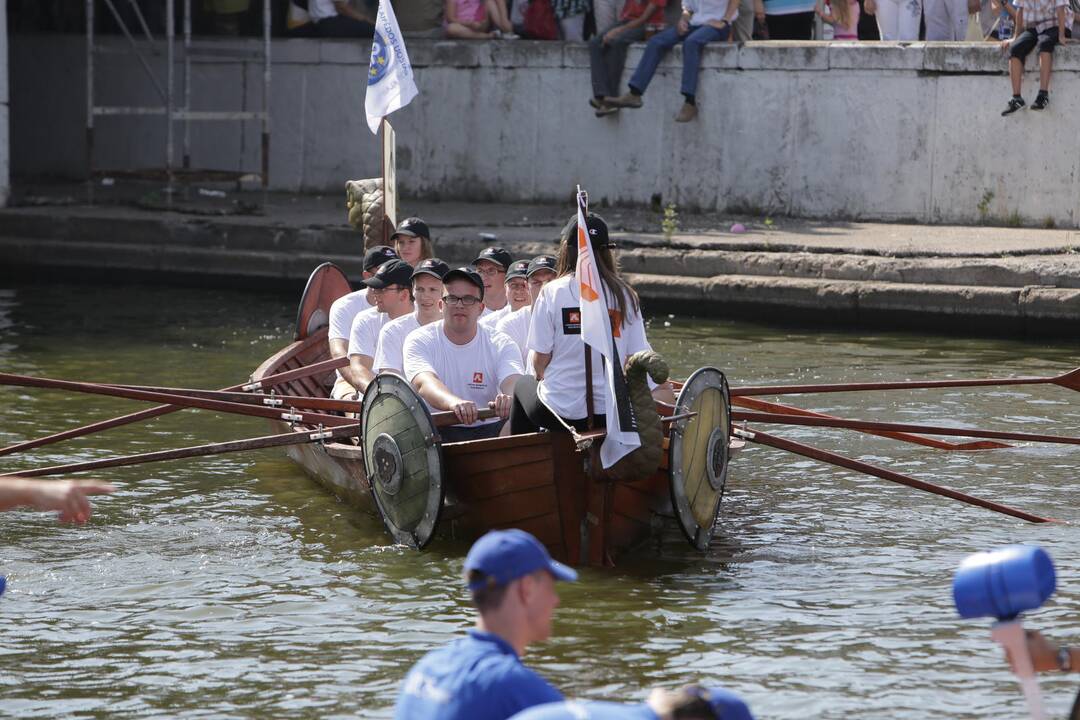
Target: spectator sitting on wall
(339,19)
(702,21)
(474,20)
(843,15)
(1044,23)
(607,49)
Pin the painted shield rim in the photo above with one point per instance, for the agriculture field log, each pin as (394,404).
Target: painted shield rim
(699,537)
(319,316)
(419,536)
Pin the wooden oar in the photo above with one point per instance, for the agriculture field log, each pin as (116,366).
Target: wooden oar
(290,415)
(304,401)
(268,441)
(267,382)
(1070,380)
(872,425)
(767,406)
(814,453)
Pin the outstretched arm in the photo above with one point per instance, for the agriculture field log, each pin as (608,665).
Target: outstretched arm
(1048,657)
(68,497)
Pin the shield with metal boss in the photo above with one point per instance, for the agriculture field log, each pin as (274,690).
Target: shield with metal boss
(698,454)
(403,460)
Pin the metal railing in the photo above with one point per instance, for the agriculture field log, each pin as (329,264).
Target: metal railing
(169,109)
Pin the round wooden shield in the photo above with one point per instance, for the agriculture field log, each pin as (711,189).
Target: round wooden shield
(325,285)
(698,454)
(403,460)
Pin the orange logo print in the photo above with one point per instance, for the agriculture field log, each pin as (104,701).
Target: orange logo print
(575,317)
(478,378)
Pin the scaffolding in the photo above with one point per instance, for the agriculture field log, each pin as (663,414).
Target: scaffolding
(169,108)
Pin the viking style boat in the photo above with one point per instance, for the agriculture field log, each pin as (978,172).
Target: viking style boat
(547,483)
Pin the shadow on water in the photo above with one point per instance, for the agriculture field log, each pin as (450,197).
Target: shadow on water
(234,586)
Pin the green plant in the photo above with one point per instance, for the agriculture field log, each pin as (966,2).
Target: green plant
(984,205)
(670,223)
(1048,222)
(769,222)
(1014,219)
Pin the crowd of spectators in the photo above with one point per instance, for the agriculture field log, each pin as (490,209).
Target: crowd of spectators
(611,26)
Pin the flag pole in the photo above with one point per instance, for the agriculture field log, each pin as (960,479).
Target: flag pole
(583,198)
(382,173)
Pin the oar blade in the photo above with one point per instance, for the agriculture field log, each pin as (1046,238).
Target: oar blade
(1069,380)
(763,438)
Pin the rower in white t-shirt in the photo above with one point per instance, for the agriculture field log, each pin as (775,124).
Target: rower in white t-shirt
(557,351)
(455,364)
(538,272)
(342,313)
(391,285)
(517,293)
(492,264)
(427,289)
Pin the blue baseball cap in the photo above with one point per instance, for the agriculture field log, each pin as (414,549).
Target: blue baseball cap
(506,555)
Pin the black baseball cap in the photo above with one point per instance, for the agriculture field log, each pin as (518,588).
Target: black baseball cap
(497,255)
(391,272)
(518,269)
(377,255)
(431,266)
(413,227)
(597,229)
(466,273)
(540,262)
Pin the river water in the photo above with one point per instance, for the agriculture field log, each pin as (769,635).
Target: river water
(235,587)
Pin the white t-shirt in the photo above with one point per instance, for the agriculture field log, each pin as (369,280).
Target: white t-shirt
(555,327)
(473,371)
(515,326)
(321,9)
(389,354)
(344,310)
(364,336)
(495,316)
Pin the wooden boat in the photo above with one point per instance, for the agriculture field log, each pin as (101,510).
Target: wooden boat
(545,483)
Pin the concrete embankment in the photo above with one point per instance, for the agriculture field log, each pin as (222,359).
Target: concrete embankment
(876,131)
(996,280)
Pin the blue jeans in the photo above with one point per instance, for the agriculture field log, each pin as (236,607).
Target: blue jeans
(658,47)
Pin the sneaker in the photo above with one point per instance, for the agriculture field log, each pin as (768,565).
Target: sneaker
(1041,101)
(1014,104)
(605,110)
(686,113)
(629,100)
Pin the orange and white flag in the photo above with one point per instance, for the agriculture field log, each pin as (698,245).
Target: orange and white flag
(598,333)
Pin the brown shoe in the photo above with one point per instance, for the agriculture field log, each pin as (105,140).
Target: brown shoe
(596,104)
(686,113)
(606,109)
(629,100)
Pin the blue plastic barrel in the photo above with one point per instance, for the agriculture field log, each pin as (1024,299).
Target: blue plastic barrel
(3,584)
(1003,583)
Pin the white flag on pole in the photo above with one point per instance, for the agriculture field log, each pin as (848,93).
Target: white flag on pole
(391,85)
(598,332)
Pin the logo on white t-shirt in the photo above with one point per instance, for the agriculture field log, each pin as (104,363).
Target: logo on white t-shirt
(478,379)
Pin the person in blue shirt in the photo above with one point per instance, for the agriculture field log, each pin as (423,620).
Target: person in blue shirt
(688,703)
(511,578)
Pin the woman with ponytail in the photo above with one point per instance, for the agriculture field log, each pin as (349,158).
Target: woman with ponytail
(556,350)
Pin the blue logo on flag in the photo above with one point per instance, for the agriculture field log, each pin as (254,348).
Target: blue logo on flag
(380,59)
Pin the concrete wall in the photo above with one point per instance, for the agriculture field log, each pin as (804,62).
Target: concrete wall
(873,131)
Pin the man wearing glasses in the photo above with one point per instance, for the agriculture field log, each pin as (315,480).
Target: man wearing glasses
(456,364)
(392,287)
(492,264)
